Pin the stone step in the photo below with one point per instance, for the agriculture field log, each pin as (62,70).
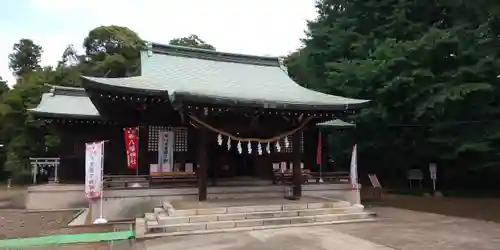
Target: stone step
(259,208)
(169,220)
(226,196)
(239,229)
(155,227)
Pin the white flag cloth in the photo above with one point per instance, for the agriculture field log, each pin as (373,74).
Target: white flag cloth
(166,151)
(93,169)
(354,167)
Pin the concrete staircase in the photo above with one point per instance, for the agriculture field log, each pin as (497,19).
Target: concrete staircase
(167,221)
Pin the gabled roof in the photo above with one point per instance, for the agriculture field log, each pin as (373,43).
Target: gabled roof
(66,102)
(213,77)
(336,123)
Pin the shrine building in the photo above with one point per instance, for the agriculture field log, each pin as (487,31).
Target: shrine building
(232,116)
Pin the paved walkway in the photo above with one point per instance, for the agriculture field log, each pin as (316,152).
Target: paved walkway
(396,229)
(311,238)
(410,230)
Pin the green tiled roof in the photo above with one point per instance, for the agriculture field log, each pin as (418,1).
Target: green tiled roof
(66,102)
(336,123)
(220,78)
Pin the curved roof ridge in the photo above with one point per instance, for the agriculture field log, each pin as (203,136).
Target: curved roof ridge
(64,90)
(213,55)
(61,101)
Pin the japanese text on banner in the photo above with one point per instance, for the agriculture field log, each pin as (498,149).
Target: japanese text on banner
(93,169)
(131,146)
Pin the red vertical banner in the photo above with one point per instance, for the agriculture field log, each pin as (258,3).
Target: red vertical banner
(132,146)
(318,153)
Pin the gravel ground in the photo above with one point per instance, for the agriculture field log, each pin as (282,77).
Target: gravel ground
(18,223)
(15,222)
(475,208)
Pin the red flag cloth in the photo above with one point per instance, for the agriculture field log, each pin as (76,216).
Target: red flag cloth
(132,146)
(318,153)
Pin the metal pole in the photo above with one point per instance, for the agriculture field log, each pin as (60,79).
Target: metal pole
(101,220)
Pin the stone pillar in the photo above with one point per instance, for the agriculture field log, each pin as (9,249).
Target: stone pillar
(201,171)
(297,159)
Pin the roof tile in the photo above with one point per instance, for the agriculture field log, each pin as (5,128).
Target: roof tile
(218,77)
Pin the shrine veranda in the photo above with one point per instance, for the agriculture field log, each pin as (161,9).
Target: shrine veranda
(237,120)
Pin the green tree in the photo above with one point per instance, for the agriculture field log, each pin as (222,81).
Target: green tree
(112,51)
(22,135)
(25,58)
(4,88)
(191,41)
(69,69)
(430,69)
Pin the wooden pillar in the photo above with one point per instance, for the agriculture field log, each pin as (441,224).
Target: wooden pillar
(143,166)
(297,158)
(201,171)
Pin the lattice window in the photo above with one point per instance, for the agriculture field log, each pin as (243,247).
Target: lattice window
(290,148)
(180,134)
(181,139)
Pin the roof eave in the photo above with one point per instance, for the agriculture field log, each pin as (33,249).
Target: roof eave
(186,96)
(44,114)
(89,83)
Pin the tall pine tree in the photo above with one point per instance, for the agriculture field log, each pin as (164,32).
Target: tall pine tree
(430,68)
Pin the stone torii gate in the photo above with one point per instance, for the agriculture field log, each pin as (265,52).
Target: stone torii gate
(37,163)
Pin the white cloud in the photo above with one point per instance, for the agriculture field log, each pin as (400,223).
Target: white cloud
(261,27)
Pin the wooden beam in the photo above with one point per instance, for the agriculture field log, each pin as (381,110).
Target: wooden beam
(201,171)
(297,159)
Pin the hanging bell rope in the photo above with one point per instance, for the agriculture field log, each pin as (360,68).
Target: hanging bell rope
(260,140)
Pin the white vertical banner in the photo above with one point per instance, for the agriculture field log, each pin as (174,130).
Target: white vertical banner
(94,155)
(354,167)
(166,151)
(433,173)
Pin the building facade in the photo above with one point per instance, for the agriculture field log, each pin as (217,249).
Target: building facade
(230,114)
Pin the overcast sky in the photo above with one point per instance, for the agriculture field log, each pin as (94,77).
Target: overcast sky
(259,27)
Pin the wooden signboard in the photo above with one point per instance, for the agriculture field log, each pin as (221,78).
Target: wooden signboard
(374,181)
(377,187)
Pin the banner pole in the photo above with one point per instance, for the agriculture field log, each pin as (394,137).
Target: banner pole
(101,219)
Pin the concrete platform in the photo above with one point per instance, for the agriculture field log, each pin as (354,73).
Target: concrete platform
(194,204)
